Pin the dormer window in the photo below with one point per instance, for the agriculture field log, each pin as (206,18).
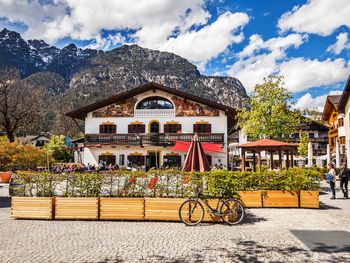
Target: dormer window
(154,103)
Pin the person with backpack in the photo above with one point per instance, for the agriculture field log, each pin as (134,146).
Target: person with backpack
(331,178)
(344,180)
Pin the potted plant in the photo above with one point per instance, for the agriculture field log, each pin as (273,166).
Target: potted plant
(5,176)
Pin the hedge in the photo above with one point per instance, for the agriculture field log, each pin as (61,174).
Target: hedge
(162,183)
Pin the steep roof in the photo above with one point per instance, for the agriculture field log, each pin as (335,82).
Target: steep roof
(332,102)
(345,96)
(81,112)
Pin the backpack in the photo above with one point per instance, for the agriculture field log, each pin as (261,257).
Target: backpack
(329,178)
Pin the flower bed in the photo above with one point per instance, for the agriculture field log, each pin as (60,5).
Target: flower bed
(157,195)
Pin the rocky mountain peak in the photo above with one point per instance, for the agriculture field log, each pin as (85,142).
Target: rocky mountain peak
(75,77)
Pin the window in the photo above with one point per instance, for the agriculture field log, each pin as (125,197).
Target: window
(202,128)
(172,160)
(108,128)
(172,128)
(342,140)
(136,128)
(311,135)
(154,127)
(121,159)
(154,103)
(341,122)
(108,159)
(138,160)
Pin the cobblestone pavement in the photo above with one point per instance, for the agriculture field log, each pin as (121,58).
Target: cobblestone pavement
(265,237)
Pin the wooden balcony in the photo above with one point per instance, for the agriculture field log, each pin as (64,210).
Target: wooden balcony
(157,139)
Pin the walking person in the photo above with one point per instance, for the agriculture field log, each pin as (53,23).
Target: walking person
(331,178)
(344,180)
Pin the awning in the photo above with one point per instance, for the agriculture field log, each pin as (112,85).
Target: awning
(183,146)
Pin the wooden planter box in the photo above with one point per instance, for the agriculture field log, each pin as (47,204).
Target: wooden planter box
(76,208)
(309,199)
(276,198)
(32,207)
(163,208)
(122,208)
(251,198)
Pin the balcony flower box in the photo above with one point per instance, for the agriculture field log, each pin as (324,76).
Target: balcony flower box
(278,198)
(122,208)
(32,207)
(76,208)
(251,198)
(309,199)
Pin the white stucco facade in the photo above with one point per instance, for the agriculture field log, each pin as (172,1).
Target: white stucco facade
(93,151)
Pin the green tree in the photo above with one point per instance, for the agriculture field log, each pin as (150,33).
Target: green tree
(303,145)
(270,114)
(60,152)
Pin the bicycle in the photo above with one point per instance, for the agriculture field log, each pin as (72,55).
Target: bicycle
(191,212)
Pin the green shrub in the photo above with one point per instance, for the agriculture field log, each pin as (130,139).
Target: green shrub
(164,183)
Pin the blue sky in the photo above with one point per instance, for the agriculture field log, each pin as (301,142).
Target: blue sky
(306,41)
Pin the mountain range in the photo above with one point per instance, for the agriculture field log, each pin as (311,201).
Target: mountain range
(72,77)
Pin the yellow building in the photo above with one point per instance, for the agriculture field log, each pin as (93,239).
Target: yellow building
(335,120)
(344,110)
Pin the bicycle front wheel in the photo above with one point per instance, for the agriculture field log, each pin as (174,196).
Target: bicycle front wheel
(191,212)
(232,212)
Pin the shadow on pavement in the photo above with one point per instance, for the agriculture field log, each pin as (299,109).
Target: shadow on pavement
(324,241)
(252,219)
(5,201)
(244,251)
(324,206)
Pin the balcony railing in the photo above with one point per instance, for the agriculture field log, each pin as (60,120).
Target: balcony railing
(155,113)
(162,139)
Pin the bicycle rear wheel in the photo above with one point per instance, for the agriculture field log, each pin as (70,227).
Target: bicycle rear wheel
(191,212)
(232,212)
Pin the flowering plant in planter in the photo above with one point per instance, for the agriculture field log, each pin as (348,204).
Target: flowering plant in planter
(162,183)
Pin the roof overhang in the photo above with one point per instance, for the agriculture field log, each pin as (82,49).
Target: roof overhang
(345,96)
(81,112)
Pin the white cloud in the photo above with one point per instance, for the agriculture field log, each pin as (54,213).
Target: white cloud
(178,26)
(314,103)
(320,17)
(256,43)
(209,41)
(107,42)
(341,44)
(301,74)
(252,70)
(261,58)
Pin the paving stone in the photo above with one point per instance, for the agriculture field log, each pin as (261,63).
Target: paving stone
(265,237)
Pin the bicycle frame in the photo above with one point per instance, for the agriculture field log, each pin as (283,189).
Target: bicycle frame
(206,203)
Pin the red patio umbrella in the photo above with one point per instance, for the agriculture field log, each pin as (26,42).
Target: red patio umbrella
(196,159)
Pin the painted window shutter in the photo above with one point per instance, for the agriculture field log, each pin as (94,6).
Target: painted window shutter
(208,128)
(166,128)
(142,128)
(178,127)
